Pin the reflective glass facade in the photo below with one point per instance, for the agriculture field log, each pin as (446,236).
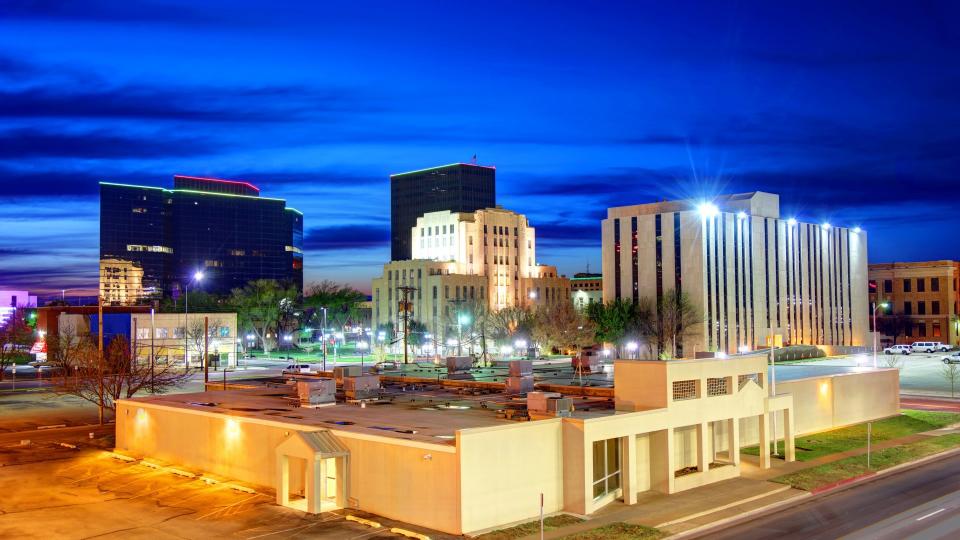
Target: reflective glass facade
(460,187)
(201,224)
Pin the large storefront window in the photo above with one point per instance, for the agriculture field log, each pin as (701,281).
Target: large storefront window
(606,467)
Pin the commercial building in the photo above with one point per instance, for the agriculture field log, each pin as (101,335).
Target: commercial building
(925,293)
(586,289)
(468,462)
(152,239)
(487,256)
(10,301)
(752,272)
(458,187)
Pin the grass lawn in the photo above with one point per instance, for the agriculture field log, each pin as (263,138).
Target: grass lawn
(839,440)
(821,475)
(531,527)
(619,531)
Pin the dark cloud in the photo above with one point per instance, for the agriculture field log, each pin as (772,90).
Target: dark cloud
(346,237)
(585,234)
(30,143)
(102,10)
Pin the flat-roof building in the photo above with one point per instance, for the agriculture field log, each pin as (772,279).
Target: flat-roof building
(924,295)
(586,289)
(153,239)
(458,187)
(464,458)
(749,271)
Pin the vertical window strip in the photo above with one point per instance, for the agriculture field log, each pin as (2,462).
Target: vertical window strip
(776,261)
(658,231)
(726,309)
(736,277)
(766,265)
(616,258)
(635,266)
(849,291)
(716,275)
(677,278)
(705,231)
(788,256)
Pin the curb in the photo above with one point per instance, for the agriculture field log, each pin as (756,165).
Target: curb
(822,492)
(721,508)
(840,483)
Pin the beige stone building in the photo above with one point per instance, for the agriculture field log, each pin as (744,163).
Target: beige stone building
(121,282)
(487,256)
(753,272)
(162,335)
(456,463)
(926,292)
(586,289)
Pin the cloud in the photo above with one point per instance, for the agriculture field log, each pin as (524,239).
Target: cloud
(30,143)
(358,236)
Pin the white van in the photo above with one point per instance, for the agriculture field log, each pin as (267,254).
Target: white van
(929,347)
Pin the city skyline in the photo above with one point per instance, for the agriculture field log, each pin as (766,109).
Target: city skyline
(578,112)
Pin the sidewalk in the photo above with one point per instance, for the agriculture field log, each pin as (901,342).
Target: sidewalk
(670,511)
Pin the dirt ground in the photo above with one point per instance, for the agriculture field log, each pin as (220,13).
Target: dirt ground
(88,493)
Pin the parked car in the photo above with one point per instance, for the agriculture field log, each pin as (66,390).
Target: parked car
(298,368)
(952,358)
(898,349)
(930,346)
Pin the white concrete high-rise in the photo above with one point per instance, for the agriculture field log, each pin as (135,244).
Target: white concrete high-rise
(752,272)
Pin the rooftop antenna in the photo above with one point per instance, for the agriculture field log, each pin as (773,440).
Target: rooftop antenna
(473,160)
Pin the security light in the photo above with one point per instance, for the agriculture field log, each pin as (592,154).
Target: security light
(792,222)
(708,210)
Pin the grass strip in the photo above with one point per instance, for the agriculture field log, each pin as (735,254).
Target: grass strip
(909,422)
(828,473)
(531,527)
(619,531)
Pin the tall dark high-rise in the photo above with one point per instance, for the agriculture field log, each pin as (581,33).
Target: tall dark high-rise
(458,187)
(152,240)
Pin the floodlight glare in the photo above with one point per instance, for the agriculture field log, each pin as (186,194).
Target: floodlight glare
(857,230)
(198,275)
(741,215)
(792,222)
(708,210)
(826,226)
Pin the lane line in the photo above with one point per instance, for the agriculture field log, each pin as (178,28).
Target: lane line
(931,514)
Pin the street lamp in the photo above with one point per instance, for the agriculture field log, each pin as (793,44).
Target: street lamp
(883,305)
(197,277)
(361,346)
(632,347)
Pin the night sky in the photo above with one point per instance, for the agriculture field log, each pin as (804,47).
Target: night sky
(850,113)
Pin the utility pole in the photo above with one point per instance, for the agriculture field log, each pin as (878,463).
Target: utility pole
(153,358)
(405,307)
(323,338)
(100,357)
(206,364)
(456,313)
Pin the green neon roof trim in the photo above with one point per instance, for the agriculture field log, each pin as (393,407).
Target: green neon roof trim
(585,278)
(132,186)
(441,167)
(225,195)
(292,209)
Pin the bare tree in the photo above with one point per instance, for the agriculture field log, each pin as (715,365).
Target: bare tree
(118,375)
(679,318)
(951,372)
(195,334)
(16,336)
(563,327)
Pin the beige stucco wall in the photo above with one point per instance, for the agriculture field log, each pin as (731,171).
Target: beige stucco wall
(403,480)
(506,468)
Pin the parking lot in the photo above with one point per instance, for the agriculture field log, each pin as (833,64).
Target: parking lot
(920,373)
(88,493)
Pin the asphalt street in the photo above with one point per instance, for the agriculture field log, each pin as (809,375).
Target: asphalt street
(923,502)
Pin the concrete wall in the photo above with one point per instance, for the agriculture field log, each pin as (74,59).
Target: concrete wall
(504,470)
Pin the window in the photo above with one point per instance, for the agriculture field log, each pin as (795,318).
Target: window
(224,331)
(921,285)
(718,386)
(906,285)
(755,377)
(143,333)
(606,467)
(921,308)
(907,308)
(936,329)
(935,284)
(177,332)
(921,329)
(888,285)
(935,307)
(684,390)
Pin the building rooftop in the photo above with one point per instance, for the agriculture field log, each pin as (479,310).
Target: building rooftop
(448,165)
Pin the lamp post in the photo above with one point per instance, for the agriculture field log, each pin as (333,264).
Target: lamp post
(323,338)
(632,347)
(883,305)
(361,346)
(197,276)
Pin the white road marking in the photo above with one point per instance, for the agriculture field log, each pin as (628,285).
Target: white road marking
(931,514)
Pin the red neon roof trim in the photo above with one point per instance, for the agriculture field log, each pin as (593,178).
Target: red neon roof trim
(248,184)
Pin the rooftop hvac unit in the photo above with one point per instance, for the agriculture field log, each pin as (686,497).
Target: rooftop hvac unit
(521,368)
(560,406)
(316,393)
(361,387)
(537,401)
(457,364)
(519,385)
(345,371)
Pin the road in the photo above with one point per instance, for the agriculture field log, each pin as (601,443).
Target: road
(929,403)
(918,503)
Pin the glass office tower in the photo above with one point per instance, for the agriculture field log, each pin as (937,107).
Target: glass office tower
(459,187)
(152,240)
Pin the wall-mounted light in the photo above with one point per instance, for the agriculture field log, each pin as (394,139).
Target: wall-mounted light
(741,215)
(708,210)
(857,230)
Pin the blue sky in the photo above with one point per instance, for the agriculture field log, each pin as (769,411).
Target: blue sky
(849,111)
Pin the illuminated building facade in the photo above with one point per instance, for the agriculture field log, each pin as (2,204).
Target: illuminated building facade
(925,295)
(458,187)
(586,289)
(750,271)
(487,256)
(221,227)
